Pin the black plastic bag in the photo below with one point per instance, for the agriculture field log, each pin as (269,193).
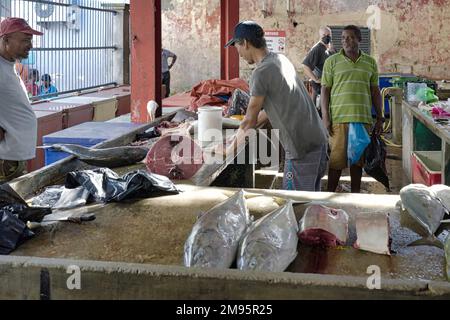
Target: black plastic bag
(375,160)
(25,213)
(9,196)
(10,201)
(106,186)
(13,232)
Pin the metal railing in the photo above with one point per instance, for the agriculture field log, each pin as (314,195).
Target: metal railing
(76,50)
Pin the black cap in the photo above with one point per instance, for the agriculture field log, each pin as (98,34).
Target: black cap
(248,30)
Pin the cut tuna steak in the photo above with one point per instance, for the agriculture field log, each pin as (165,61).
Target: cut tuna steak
(176,157)
(323,226)
(372,230)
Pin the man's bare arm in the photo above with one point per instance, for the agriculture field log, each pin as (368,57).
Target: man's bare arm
(310,73)
(174,59)
(253,118)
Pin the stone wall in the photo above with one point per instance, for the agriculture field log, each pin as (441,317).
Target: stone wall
(412,36)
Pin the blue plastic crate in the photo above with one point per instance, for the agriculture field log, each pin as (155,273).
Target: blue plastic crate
(87,134)
(385,82)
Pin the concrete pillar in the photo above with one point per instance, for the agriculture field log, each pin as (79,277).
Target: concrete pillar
(229,58)
(121,39)
(145,57)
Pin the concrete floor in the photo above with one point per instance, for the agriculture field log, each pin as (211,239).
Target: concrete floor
(273,179)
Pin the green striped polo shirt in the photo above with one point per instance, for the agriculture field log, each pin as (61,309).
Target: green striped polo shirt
(350,82)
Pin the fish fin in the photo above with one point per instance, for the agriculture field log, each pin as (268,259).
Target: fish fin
(445,221)
(429,241)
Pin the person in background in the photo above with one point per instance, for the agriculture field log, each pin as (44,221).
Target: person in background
(277,94)
(166,54)
(46,86)
(22,71)
(32,84)
(315,59)
(18,124)
(349,89)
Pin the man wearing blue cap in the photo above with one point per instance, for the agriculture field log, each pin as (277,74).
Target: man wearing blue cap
(275,87)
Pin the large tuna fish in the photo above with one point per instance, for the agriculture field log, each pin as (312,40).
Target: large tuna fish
(423,215)
(323,226)
(215,237)
(108,157)
(270,244)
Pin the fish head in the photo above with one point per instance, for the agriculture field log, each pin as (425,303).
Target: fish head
(232,225)
(207,250)
(259,255)
(423,206)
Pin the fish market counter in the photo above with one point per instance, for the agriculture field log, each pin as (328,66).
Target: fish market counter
(426,146)
(134,250)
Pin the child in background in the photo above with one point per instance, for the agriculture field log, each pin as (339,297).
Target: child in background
(47,87)
(31,84)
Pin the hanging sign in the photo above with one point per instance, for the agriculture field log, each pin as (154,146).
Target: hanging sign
(276,40)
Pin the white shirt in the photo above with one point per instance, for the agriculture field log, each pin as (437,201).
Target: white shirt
(17,118)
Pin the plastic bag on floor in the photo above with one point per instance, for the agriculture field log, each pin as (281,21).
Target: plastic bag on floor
(13,232)
(11,202)
(26,213)
(375,160)
(72,198)
(48,198)
(59,197)
(106,186)
(9,196)
(358,139)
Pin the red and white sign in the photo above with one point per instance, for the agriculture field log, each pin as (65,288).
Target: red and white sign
(276,40)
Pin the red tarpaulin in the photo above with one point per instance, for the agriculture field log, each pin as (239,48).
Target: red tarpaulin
(208,92)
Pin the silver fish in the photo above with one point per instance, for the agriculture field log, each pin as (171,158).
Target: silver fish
(270,244)
(423,215)
(214,240)
(108,157)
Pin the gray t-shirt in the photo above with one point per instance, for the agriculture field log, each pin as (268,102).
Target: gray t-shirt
(16,116)
(288,106)
(166,54)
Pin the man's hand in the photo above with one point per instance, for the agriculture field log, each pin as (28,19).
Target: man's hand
(248,123)
(2,134)
(379,126)
(328,126)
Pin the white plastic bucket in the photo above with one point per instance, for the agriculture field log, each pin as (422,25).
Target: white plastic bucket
(209,124)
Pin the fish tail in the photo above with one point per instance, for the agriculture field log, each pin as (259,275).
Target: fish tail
(429,241)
